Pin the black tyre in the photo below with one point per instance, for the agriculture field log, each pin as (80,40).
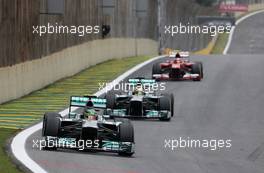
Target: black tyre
(197,69)
(165,104)
(51,124)
(110,99)
(171,96)
(156,69)
(172,104)
(126,134)
(201,65)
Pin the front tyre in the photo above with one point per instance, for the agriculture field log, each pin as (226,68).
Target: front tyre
(51,127)
(126,134)
(197,68)
(51,124)
(165,105)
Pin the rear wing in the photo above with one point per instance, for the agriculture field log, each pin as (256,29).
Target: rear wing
(183,54)
(78,101)
(142,81)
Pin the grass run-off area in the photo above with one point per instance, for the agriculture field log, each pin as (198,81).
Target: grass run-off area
(220,44)
(20,113)
(6,165)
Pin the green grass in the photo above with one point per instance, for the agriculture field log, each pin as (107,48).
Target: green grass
(223,38)
(20,113)
(220,44)
(6,165)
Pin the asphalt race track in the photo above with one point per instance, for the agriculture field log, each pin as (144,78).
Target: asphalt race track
(227,104)
(248,37)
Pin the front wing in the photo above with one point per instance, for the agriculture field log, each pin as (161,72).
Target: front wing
(72,143)
(187,76)
(150,114)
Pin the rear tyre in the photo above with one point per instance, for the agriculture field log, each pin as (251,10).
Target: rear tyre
(126,134)
(156,69)
(165,104)
(110,99)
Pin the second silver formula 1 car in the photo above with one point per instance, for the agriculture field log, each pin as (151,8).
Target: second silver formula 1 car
(141,102)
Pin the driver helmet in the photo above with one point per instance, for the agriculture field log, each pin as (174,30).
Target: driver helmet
(89,111)
(139,90)
(178,55)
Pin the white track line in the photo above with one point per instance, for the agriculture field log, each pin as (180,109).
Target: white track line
(233,29)
(19,141)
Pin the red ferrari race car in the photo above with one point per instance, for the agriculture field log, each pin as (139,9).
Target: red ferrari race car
(179,68)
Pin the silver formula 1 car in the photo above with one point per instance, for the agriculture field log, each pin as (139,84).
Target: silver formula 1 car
(86,125)
(141,102)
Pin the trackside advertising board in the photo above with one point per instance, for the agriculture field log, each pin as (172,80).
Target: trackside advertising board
(233,8)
